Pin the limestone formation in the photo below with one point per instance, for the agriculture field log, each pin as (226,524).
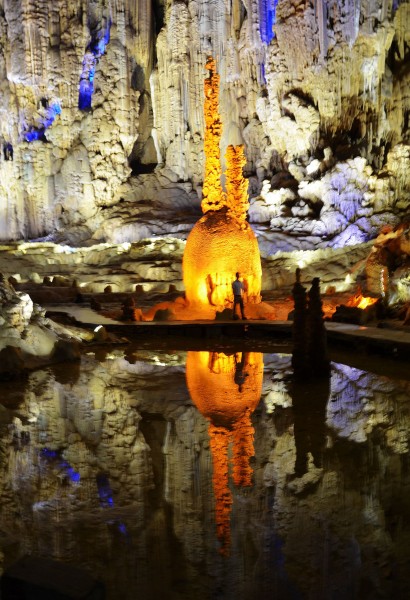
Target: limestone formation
(316,348)
(388,265)
(309,352)
(213,196)
(27,338)
(101,111)
(236,185)
(222,242)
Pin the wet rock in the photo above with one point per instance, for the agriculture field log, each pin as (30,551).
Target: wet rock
(12,362)
(354,315)
(66,350)
(163,314)
(100,334)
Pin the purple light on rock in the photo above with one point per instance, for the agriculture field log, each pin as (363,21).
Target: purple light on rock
(104,491)
(86,94)
(34,134)
(267,19)
(53,457)
(93,53)
(38,133)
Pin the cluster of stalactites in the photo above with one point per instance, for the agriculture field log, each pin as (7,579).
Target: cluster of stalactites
(213,196)
(236,185)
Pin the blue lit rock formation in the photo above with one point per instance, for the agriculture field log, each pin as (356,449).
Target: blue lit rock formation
(95,49)
(45,121)
(267,19)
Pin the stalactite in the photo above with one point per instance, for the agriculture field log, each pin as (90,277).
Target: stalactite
(237,17)
(141,20)
(95,50)
(321,16)
(267,18)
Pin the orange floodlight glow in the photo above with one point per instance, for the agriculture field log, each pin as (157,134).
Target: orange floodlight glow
(360,301)
(222,241)
(365,302)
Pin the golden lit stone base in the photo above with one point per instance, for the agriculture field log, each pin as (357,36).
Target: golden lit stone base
(216,249)
(179,310)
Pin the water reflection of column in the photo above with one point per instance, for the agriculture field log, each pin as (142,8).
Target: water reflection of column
(309,401)
(219,438)
(226,389)
(243,450)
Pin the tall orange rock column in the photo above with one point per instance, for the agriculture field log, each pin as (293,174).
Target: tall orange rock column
(213,198)
(243,450)
(222,242)
(236,185)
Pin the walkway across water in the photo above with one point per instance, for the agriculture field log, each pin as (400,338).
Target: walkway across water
(392,342)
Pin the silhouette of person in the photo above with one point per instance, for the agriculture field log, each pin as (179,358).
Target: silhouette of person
(240,374)
(238,289)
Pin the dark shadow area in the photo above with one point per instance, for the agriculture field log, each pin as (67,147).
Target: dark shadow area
(158,7)
(309,402)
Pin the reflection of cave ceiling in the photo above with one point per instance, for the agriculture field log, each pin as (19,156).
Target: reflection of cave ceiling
(111,458)
(102,116)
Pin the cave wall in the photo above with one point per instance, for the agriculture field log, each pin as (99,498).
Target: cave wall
(101,113)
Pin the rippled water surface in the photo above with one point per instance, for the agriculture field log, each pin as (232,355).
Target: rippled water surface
(209,475)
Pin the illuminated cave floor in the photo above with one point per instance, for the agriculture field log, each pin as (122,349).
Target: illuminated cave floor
(109,464)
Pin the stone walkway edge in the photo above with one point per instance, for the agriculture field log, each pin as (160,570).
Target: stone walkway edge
(371,337)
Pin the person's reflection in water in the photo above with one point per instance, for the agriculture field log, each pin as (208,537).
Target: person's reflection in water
(309,400)
(240,373)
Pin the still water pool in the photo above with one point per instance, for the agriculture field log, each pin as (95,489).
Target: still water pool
(210,475)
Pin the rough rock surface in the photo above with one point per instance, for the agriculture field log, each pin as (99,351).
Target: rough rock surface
(96,95)
(156,265)
(27,338)
(388,265)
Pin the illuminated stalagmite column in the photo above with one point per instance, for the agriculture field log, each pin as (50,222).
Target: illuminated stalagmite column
(226,389)
(213,198)
(222,241)
(236,185)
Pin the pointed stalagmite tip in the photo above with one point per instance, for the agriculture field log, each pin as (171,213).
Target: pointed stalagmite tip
(298,275)
(210,64)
